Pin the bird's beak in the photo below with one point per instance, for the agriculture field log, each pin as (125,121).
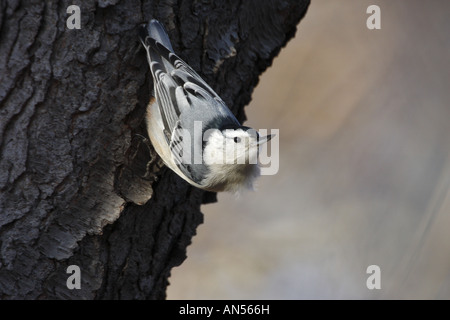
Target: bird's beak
(265,139)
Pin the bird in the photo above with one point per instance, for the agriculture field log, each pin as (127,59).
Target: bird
(191,127)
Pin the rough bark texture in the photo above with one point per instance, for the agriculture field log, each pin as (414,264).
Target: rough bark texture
(79,185)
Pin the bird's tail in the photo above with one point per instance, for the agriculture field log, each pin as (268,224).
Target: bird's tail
(154,30)
(152,36)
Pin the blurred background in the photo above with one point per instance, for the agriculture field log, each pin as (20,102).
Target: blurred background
(364,119)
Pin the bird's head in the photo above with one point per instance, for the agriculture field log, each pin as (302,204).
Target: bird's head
(231,155)
(231,146)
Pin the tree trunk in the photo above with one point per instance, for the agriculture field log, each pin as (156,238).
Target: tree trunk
(79,183)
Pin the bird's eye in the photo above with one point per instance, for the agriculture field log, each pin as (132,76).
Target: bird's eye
(237,139)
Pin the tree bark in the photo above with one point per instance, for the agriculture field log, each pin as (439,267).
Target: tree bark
(79,185)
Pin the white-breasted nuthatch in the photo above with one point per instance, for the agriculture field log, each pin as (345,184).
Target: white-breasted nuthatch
(189,125)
